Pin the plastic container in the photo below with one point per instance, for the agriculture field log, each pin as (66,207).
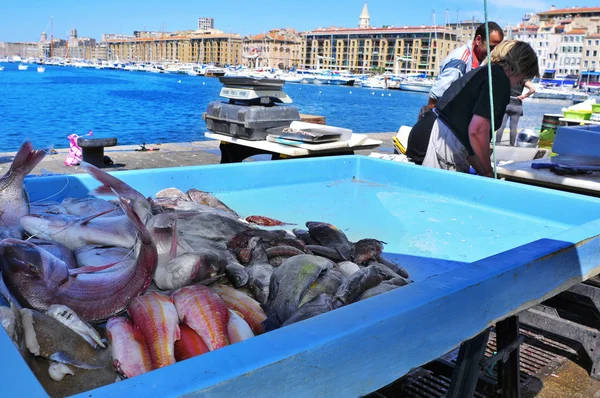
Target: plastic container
(595,108)
(249,122)
(577,115)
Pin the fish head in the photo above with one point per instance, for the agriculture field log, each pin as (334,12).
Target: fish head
(46,225)
(32,274)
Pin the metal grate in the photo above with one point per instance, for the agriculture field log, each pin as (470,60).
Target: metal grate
(540,356)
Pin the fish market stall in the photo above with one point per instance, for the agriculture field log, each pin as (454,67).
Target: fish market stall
(478,251)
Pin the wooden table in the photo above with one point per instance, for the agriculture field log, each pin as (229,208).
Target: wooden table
(588,184)
(234,150)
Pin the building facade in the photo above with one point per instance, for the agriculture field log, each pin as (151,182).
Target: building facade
(280,48)
(205,23)
(219,49)
(408,49)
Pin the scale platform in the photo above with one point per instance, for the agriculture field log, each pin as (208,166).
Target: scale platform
(251,89)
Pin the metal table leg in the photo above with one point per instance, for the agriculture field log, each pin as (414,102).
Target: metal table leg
(507,333)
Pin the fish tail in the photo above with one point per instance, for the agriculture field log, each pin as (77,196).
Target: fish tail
(110,182)
(27,158)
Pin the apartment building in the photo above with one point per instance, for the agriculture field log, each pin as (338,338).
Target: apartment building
(279,48)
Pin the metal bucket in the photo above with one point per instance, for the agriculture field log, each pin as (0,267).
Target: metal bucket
(528,138)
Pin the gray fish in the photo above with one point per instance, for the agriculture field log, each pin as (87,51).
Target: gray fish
(374,291)
(48,338)
(304,236)
(237,274)
(330,236)
(14,201)
(74,232)
(400,270)
(259,272)
(99,256)
(163,228)
(357,284)
(49,207)
(218,227)
(242,239)
(10,319)
(209,199)
(328,283)
(318,305)
(384,270)
(327,252)
(189,267)
(289,283)
(86,207)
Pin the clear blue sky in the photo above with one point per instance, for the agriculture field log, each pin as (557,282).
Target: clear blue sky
(25,20)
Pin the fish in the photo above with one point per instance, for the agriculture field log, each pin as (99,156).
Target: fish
(46,337)
(10,319)
(74,232)
(330,236)
(328,283)
(283,251)
(163,228)
(86,207)
(14,201)
(189,345)
(242,239)
(57,249)
(400,270)
(188,268)
(327,252)
(130,353)
(100,256)
(209,199)
(357,284)
(157,318)
(304,236)
(237,328)
(214,226)
(113,186)
(49,207)
(319,304)
(38,279)
(289,283)
(171,193)
(245,305)
(266,221)
(237,274)
(259,271)
(70,319)
(365,250)
(203,310)
(376,290)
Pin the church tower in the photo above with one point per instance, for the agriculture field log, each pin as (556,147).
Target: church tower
(364,21)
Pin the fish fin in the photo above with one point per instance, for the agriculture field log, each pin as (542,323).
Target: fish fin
(90,269)
(103,190)
(174,243)
(177,333)
(90,218)
(109,182)
(69,359)
(238,313)
(27,158)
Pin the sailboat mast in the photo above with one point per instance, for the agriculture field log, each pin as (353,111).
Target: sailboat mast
(51,37)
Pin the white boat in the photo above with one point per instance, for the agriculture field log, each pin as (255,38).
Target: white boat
(41,69)
(23,67)
(558,93)
(374,82)
(420,85)
(1,68)
(292,78)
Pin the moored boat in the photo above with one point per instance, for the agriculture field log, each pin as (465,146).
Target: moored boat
(23,67)
(423,86)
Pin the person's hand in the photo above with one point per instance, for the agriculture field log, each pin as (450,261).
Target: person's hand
(521,97)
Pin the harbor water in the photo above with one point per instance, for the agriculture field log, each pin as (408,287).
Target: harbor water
(138,107)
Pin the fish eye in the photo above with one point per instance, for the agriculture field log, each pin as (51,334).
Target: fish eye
(33,268)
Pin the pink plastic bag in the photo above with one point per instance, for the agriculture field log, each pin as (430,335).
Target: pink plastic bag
(74,156)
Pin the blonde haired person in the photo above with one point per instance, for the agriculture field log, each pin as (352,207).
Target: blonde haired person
(461,134)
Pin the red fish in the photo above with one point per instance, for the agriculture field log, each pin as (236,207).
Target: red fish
(202,309)
(189,345)
(266,221)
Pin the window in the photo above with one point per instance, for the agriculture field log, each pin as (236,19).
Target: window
(585,64)
(595,53)
(587,53)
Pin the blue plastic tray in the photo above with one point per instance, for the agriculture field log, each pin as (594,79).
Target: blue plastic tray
(479,251)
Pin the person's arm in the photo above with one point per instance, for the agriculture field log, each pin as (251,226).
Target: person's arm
(479,137)
(452,71)
(529,85)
